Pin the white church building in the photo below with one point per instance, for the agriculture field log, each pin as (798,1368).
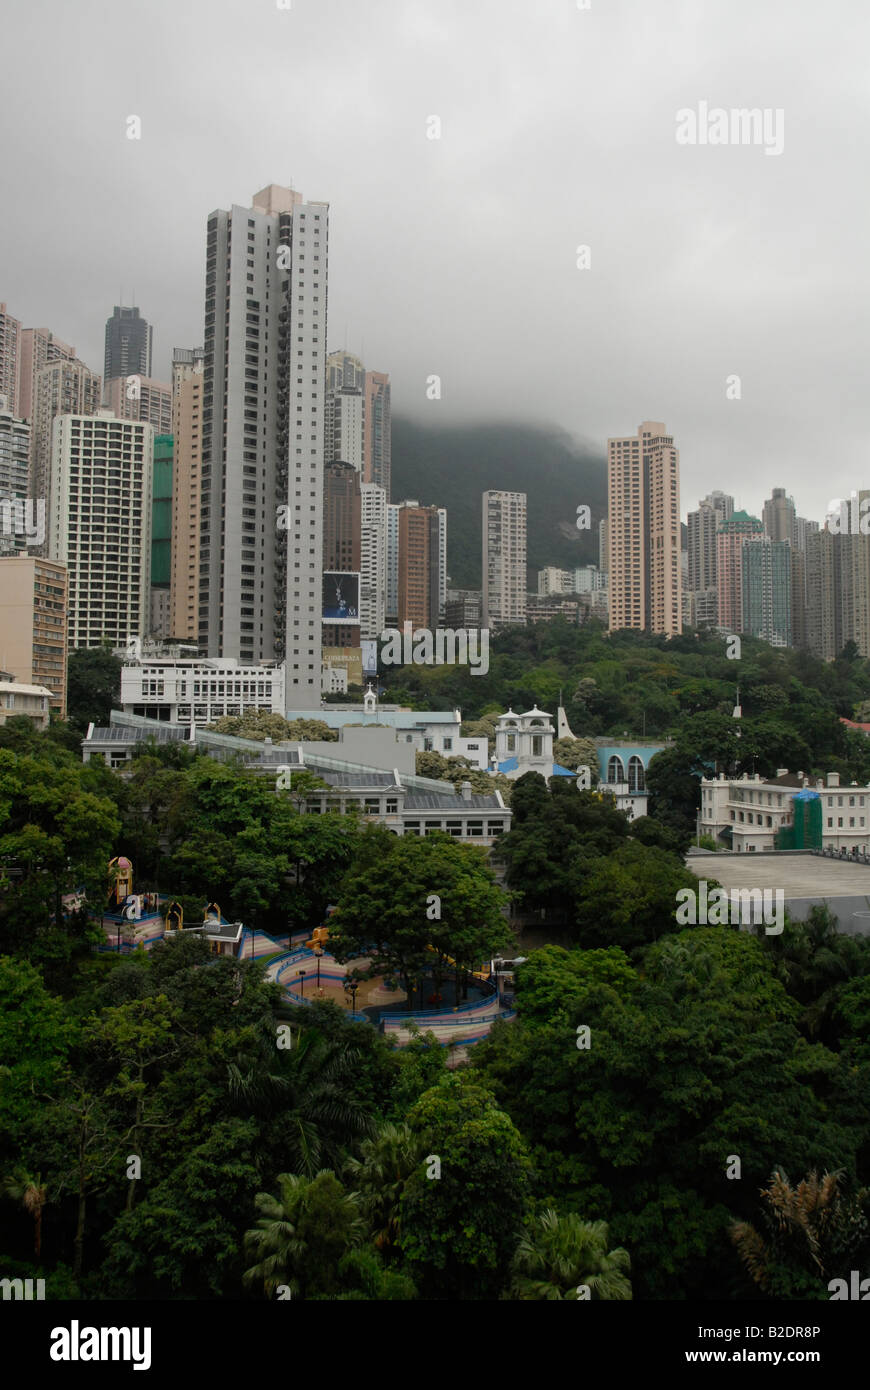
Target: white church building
(524,743)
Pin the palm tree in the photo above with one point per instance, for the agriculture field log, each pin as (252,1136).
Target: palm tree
(312,1083)
(559,1251)
(303,1233)
(809,1228)
(379,1176)
(32,1193)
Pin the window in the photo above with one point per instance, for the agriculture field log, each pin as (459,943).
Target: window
(615,769)
(636,774)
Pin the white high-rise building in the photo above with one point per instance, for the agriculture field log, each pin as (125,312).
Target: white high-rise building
(261,513)
(100,524)
(504,558)
(357,418)
(344,410)
(392,564)
(14,471)
(373,565)
(14,452)
(702,526)
(62,387)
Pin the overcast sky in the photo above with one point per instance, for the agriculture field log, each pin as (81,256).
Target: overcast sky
(458,256)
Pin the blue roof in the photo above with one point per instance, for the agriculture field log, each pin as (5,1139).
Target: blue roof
(559,771)
(806,795)
(508,765)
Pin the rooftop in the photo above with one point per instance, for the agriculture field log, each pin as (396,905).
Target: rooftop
(805,879)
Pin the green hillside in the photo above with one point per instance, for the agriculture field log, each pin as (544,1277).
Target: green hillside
(451,466)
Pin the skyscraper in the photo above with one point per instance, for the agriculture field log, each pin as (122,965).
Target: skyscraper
(838,587)
(187,383)
(33,618)
(702,526)
(643,479)
(803,529)
(824,619)
(377,433)
(139,398)
(357,416)
(10,347)
(261,526)
(504,559)
(778,516)
(766,590)
(161,537)
(63,387)
(603,547)
(854,576)
(342,536)
(128,344)
(422,549)
(373,563)
(16,520)
(732,535)
(100,524)
(38,347)
(392,617)
(14,453)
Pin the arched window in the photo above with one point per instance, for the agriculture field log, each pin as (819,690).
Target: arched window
(636,774)
(615,769)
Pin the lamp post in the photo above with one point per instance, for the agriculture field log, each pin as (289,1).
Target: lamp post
(318,951)
(302,985)
(352,989)
(497,963)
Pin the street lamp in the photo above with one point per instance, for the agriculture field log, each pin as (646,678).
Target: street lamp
(302,986)
(318,951)
(352,989)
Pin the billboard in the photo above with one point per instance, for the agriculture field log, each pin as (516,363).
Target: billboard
(340,596)
(346,659)
(369,648)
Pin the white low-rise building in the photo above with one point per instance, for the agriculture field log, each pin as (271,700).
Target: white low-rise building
(200,690)
(746,813)
(32,701)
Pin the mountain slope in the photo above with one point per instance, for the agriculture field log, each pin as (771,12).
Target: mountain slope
(451,466)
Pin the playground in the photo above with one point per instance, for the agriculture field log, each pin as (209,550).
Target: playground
(374,998)
(458,1011)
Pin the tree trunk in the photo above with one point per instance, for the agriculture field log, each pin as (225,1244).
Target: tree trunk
(78,1243)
